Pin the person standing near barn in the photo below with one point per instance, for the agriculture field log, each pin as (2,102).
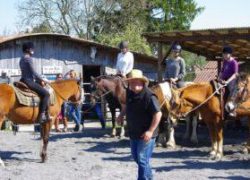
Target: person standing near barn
(143,115)
(125,60)
(175,67)
(32,79)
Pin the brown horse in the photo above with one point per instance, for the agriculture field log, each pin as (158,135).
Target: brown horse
(203,96)
(112,88)
(241,101)
(164,92)
(20,114)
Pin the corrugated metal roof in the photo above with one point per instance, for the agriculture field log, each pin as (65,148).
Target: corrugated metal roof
(206,74)
(208,42)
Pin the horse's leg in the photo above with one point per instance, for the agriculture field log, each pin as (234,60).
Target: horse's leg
(113,133)
(122,134)
(213,139)
(188,123)
(1,122)
(162,132)
(194,138)
(219,133)
(246,150)
(171,141)
(45,129)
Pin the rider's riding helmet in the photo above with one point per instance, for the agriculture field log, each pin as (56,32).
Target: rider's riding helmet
(227,49)
(176,48)
(123,45)
(27,46)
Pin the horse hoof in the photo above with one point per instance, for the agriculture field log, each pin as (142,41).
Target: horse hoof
(245,151)
(2,163)
(44,158)
(212,155)
(218,157)
(170,145)
(194,141)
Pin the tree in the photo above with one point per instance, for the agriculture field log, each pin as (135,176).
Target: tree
(165,15)
(132,33)
(60,16)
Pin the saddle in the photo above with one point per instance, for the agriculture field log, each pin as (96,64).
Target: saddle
(25,89)
(27,97)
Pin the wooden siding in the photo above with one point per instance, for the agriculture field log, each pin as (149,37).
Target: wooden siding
(57,51)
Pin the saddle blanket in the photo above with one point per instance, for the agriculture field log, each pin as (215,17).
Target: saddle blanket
(33,100)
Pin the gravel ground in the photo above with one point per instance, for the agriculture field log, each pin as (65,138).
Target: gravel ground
(92,154)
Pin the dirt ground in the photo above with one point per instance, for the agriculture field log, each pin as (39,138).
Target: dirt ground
(93,154)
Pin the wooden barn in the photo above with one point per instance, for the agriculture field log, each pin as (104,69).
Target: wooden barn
(56,53)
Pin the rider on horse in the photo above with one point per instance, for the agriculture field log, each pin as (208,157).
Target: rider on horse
(175,67)
(31,78)
(228,74)
(125,60)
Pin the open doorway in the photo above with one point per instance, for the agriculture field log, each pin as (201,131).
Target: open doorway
(88,71)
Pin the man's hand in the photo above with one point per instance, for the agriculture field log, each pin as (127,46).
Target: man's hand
(173,80)
(147,136)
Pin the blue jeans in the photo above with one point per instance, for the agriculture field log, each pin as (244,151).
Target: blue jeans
(75,113)
(142,152)
(98,110)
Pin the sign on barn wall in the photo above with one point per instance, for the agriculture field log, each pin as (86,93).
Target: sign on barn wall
(52,69)
(109,70)
(11,72)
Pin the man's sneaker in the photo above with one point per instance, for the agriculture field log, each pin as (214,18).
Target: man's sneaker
(76,128)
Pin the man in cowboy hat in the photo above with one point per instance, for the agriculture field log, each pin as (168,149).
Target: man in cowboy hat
(143,116)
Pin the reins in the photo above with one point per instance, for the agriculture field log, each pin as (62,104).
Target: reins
(205,101)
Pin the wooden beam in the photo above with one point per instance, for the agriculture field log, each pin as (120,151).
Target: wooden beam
(159,64)
(168,39)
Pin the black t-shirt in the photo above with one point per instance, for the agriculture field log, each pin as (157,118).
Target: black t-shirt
(140,109)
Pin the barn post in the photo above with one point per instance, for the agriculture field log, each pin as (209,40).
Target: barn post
(159,64)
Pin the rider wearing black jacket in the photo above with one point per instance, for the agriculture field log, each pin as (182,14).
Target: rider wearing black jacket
(30,77)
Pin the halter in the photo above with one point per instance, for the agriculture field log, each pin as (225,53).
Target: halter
(104,93)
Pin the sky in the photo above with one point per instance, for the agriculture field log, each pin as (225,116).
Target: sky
(217,14)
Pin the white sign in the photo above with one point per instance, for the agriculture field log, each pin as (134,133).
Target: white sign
(11,72)
(52,69)
(110,71)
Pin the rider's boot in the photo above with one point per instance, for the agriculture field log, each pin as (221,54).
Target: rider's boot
(42,118)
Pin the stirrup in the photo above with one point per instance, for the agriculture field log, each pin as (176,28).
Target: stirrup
(43,118)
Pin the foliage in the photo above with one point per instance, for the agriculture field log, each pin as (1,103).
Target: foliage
(132,34)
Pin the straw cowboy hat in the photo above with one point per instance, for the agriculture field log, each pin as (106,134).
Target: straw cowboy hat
(137,74)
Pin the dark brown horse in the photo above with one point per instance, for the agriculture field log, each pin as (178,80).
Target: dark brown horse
(203,96)
(112,88)
(20,114)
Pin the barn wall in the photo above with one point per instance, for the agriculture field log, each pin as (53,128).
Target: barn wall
(62,52)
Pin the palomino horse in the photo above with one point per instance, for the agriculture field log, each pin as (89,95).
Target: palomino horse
(112,88)
(204,97)
(20,114)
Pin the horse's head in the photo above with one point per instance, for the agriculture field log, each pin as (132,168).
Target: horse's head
(240,92)
(180,103)
(68,89)
(105,84)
